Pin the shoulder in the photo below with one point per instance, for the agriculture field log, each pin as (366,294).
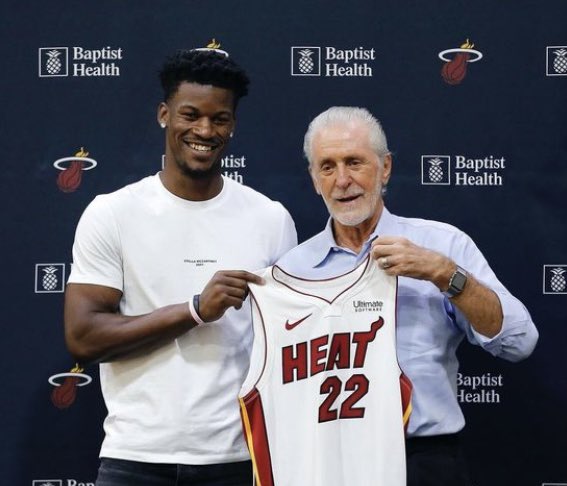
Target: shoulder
(424,227)
(435,235)
(142,188)
(105,209)
(126,194)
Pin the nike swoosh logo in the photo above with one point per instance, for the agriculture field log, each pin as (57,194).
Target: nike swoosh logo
(290,325)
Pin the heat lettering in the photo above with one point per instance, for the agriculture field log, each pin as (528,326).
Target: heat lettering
(346,350)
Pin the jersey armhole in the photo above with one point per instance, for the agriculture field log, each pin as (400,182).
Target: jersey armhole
(258,357)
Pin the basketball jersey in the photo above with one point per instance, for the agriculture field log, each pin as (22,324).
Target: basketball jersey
(322,403)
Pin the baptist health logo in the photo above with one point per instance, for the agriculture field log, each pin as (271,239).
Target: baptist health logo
(49,278)
(331,61)
(555,279)
(556,61)
(438,170)
(58,62)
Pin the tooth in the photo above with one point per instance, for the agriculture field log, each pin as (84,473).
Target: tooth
(202,148)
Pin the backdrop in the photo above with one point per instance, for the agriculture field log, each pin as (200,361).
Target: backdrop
(473,98)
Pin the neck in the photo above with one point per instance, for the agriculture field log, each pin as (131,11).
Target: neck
(191,188)
(354,237)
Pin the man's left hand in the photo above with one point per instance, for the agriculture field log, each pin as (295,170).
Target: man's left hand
(399,256)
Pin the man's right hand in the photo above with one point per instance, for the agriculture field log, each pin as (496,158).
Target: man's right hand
(227,288)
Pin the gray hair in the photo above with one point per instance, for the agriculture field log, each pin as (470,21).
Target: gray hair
(337,115)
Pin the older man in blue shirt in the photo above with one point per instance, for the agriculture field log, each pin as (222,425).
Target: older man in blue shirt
(446,289)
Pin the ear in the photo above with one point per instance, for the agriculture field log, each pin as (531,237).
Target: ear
(387,171)
(162,112)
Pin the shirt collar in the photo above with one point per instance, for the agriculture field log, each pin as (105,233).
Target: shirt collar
(325,241)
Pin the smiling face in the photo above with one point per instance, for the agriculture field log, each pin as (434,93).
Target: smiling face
(348,173)
(199,120)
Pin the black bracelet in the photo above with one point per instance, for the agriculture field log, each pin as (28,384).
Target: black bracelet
(194,309)
(196,304)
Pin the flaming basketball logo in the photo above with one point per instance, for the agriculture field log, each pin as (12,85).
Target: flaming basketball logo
(455,68)
(72,169)
(214,46)
(64,394)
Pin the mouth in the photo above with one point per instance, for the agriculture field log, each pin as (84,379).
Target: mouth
(347,199)
(201,147)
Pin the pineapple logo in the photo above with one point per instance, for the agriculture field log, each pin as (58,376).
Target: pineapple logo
(435,170)
(555,279)
(305,61)
(53,62)
(557,61)
(558,279)
(49,278)
(560,62)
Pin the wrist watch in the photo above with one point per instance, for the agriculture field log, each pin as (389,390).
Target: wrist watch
(457,282)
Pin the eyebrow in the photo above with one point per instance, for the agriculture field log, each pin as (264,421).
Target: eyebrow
(189,106)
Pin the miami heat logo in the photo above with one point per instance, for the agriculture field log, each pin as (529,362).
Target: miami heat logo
(455,68)
(65,392)
(72,169)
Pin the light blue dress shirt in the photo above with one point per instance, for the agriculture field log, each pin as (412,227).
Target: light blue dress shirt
(430,328)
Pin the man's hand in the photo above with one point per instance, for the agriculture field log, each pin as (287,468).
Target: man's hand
(479,304)
(227,288)
(399,256)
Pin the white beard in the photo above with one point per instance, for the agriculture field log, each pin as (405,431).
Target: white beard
(357,216)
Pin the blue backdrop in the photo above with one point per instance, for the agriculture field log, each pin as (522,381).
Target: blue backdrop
(473,98)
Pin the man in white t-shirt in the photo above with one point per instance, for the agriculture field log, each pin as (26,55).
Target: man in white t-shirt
(157,292)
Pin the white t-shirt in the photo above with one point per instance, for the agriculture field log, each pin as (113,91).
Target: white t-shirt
(178,402)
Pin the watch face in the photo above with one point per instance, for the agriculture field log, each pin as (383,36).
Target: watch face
(458,281)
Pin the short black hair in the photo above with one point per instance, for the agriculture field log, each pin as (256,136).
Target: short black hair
(203,67)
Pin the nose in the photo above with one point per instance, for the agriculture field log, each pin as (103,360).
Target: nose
(203,127)
(343,179)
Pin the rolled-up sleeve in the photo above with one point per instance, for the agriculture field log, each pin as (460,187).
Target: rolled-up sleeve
(518,336)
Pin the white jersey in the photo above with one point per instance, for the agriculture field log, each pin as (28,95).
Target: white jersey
(322,403)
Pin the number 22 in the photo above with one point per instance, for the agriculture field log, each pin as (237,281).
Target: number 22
(332,386)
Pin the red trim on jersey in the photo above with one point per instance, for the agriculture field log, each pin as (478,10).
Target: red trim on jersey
(406,386)
(254,424)
(406,391)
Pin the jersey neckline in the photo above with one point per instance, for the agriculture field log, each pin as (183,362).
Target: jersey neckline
(308,287)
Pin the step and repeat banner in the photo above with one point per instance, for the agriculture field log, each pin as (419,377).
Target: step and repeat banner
(473,99)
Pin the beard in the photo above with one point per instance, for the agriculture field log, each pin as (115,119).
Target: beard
(354,218)
(201,174)
(359,215)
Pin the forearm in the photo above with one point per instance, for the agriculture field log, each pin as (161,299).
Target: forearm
(481,306)
(105,336)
